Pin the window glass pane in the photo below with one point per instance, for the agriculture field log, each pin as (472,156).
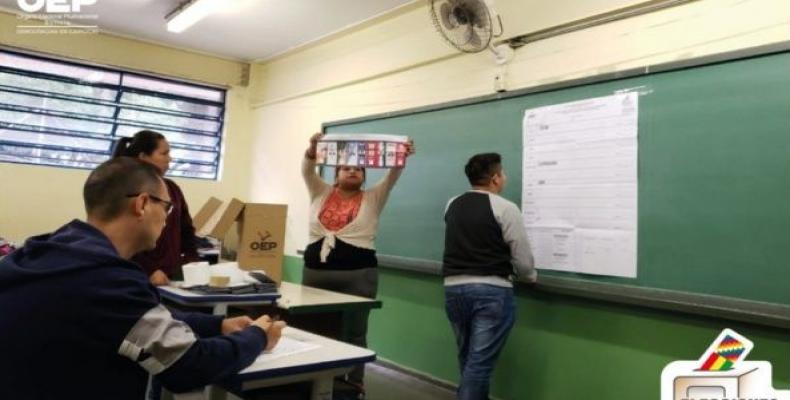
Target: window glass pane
(188,174)
(45,103)
(51,86)
(86,74)
(162,86)
(173,137)
(192,155)
(34,155)
(37,138)
(170,120)
(192,171)
(48,121)
(185,166)
(170,104)
(69,115)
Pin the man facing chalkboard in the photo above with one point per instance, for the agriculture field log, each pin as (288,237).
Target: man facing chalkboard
(485,247)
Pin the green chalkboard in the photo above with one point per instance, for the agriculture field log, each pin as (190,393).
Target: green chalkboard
(714,174)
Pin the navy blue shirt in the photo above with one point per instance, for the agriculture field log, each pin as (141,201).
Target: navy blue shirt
(76,320)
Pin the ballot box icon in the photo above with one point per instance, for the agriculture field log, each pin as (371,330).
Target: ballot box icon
(682,380)
(721,374)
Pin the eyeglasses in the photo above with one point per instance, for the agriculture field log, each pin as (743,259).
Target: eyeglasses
(168,204)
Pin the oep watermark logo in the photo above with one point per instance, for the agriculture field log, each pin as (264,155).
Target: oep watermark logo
(721,374)
(53,6)
(56,17)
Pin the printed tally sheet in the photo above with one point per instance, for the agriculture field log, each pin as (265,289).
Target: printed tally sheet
(579,198)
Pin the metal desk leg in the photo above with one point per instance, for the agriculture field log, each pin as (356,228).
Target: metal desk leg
(215,393)
(196,395)
(322,387)
(220,309)
(210,392)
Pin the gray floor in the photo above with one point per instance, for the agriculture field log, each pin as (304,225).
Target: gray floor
(382,383)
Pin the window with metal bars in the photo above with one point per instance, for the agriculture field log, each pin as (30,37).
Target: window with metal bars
(66,114)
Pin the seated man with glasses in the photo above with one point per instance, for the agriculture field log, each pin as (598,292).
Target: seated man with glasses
(167,203)
(79,319)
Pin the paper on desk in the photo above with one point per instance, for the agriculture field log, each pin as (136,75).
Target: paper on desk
(287,346)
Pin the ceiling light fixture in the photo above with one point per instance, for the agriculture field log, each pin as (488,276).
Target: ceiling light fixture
(190,12)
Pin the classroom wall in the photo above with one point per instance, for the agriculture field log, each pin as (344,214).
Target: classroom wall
(561,347)
(37,199)
(400,62)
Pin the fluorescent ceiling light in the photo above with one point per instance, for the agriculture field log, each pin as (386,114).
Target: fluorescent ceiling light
(190,12)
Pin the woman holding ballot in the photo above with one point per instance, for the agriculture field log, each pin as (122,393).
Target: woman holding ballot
(344,218)
(176,245)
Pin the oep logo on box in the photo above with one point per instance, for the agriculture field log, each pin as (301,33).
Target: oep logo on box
(264,243)
(53,6)
(720,374)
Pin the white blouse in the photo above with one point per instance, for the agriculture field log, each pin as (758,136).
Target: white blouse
(361,231)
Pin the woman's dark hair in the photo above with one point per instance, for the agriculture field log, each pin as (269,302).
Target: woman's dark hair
(482,167)
(143,142)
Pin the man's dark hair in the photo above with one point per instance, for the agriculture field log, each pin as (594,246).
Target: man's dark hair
(107,189)
(482,167)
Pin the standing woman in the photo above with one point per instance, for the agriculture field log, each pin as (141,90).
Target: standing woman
(343,222)
(176,245)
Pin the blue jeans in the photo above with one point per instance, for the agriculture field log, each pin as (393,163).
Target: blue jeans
(481,317)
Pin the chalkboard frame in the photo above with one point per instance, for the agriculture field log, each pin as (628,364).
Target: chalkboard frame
(755,312)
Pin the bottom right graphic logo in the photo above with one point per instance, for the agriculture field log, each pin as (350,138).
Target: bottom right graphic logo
(721,374)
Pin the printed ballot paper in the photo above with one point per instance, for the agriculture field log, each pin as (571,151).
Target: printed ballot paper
(580,185)
(362,150)
(286,346)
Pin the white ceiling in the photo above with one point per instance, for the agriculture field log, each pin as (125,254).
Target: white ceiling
(245,29)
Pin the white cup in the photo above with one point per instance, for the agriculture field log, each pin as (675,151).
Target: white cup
(196,273)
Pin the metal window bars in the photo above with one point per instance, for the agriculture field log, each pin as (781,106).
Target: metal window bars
(65,114)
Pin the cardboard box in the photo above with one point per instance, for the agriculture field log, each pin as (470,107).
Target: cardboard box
(262,238)
(204,214)
(261,230)
(227,217)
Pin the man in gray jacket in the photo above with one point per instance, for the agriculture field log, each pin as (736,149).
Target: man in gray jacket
(485,247)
